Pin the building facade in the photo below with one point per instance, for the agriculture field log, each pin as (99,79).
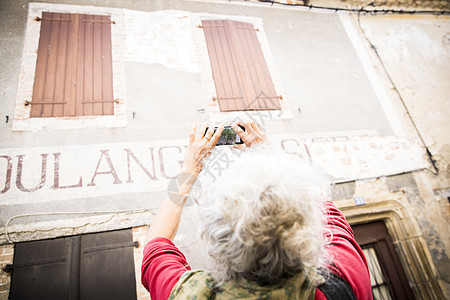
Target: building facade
(97,99)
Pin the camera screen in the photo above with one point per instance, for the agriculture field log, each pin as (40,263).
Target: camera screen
(229,136)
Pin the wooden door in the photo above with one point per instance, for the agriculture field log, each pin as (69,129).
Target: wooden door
(387,276)
(92,266)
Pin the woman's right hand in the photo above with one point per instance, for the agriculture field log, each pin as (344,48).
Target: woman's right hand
(200,145)
(252,135)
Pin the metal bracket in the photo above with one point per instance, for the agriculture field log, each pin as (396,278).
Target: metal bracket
(8,268)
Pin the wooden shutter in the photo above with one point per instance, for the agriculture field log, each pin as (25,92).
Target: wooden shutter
(240,72)
(107,266)
(74,66)
(42,270)
(92,266)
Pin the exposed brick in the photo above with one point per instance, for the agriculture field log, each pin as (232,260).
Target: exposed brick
(7,249)
(139,229)
(140,234)
(143,296)
(4,295)
(5,277)
(6,257)
(4,287)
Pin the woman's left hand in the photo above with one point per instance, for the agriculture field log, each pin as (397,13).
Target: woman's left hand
(200,145)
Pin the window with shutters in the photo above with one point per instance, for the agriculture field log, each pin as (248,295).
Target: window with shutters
(91,266)
(240,72)
(74,67)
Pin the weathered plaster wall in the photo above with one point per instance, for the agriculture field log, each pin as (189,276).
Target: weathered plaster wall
(416,54)
(127,176)
(376,5)
(11,37)
(413,218)
(343,113)
(167,80)
(140,235)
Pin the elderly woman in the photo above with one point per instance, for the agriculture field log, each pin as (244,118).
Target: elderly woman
(269,227)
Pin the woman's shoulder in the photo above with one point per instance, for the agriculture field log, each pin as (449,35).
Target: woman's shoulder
(197,282)
(200,284)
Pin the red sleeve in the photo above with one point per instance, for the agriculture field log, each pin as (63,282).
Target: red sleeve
(162,266)
(348,260)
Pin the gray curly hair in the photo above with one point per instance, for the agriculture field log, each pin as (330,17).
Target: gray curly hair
(264,220)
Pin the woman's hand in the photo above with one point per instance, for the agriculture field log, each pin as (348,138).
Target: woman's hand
(252,135)
(199,148)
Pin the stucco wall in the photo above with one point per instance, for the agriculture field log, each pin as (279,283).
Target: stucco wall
(333,107)
(359,117)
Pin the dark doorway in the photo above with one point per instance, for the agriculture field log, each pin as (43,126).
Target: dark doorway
(90,266)
(387,276)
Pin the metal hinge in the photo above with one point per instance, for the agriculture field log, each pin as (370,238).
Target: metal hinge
(38,19)
(206,26)
(101,101)
(269,97)
(42,103)
(46,19)
(110,247)
(40,262)
(85,101)
(106,22)
(226,98)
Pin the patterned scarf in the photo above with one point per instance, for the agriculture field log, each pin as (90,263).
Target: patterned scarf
(197,285)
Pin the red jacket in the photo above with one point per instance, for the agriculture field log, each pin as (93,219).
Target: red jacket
(163,262)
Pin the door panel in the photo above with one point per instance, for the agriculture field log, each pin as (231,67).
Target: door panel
(91,266)
(41,270)
(381,256)
(103,256)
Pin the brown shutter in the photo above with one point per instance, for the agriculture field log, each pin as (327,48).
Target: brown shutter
(240,73)
(91,266)
(74,66)
(107,266)
(42,270)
